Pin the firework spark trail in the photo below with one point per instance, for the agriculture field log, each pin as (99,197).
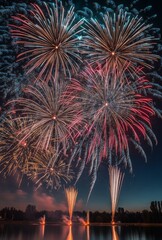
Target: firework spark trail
(54,116)
(51,39)
(71,196)
(120,41)
(115,182)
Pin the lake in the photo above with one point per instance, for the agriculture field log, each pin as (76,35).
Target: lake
(77,232)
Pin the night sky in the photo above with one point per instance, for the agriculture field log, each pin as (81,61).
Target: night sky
(139,188)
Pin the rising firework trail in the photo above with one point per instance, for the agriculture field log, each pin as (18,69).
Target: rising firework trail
(115,182)
(50,40)
(71,196)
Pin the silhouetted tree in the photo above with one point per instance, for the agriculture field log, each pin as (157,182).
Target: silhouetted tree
(30,212)
(146,216)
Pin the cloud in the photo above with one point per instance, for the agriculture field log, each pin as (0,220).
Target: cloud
(20,199)
(21,193)
(45,202)
(16,199)
(10,197)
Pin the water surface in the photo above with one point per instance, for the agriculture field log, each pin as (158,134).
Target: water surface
(77,232)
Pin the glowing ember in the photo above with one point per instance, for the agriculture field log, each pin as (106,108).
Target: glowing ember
(54,117)
(23,143)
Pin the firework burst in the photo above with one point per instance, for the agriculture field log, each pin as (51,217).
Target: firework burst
(54,115)
(114,110)
(49,168)
(51,39)
(120,41)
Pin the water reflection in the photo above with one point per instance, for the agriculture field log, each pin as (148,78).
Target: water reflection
(70,235)
(78,232)
(88,233)
(41,232)
(114,233)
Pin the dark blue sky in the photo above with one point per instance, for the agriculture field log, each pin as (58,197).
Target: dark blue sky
(139,188)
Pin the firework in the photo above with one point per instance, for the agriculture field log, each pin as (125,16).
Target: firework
(51,39)
(95,118)
(88,221)
(14,152)
(54,117)
(83,221)
(119,41)
(71,196)
(115,111)
(42,220)
(116,180)
(48,167)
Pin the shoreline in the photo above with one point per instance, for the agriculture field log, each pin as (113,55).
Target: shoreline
(78,224)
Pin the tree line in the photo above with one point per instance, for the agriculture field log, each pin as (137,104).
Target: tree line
(154,215)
